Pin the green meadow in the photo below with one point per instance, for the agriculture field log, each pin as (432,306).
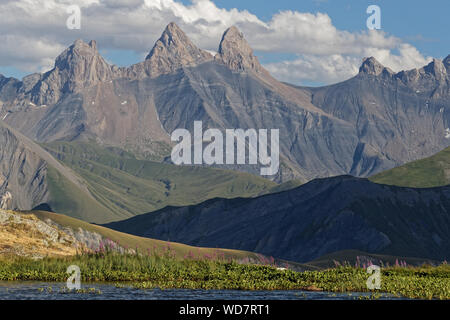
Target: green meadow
(164,270)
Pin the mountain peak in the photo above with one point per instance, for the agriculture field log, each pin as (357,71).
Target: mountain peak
(173,50)
(438,68)
(77,67)
(447,60)
(78,52)
(373,66)
(236,53)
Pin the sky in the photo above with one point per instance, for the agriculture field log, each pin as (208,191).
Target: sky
(305,42)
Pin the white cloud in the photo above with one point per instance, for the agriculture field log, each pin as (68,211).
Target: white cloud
(319,69)
(34,32)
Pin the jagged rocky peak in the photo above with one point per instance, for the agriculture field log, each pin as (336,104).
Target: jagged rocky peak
(77,67)
(437,68)
(373,67)
(236,53)
(446,61)
(84,62)
(173,50)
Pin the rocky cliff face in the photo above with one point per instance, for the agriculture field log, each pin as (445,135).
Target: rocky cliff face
(320,217)
(396,117)
(78,67)
(374,121)
(172,51)
(236,54)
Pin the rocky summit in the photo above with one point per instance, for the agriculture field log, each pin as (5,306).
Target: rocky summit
(236,54)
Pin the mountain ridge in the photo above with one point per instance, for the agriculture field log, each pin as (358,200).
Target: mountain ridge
(369,123)
(323,216)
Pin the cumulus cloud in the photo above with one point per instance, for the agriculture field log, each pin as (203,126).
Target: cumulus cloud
(34,32)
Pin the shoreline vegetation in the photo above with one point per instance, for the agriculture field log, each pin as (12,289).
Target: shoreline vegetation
(166,271)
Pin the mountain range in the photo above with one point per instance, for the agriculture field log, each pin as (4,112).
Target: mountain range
(100,185)
(92,141)
(374,121)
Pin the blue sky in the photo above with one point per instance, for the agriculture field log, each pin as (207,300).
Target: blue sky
(419,27)
(425,24)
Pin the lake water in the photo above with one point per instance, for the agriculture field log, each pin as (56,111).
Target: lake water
(28,290)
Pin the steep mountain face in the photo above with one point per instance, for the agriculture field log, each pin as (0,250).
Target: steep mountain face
(30,177)
(22,173)
(24,170)
(236,54)
(172,51)
(397,117)
(320,217)
(375,121)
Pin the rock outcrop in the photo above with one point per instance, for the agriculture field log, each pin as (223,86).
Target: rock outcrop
(23,234)
(78,67)
(373,67)
(236,53)
(172,51)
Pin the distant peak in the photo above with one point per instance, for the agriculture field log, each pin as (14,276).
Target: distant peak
(77,50)
(93,44)
(232,32)
(447,60)
(173,36)
(77,67)
(79,44)
(373,66)
(173,28)
(236,53)
(173,42)
(173,50)
(437,68)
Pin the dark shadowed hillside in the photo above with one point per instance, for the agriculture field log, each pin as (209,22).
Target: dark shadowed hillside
(320,217)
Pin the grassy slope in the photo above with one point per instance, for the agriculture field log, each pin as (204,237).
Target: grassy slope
(425,173)
(143,244)
(291,184)
(125,186)
(351,257)
(66,196)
